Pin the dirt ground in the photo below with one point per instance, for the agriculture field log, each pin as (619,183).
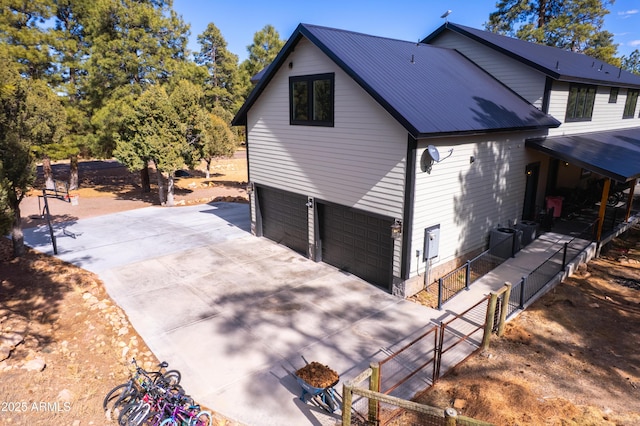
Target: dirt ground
(63,343)
(570,359)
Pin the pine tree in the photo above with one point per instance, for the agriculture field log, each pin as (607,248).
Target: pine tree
(575,25)
(222,67)
(632,62)
(264,49)
(31,116)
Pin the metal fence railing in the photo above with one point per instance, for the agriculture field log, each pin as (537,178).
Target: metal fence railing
(418,364)
(529,285)
(364,405)
(461,278)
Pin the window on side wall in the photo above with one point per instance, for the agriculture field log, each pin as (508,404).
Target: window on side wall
(311,100)
(580,104)
(613,95)
(630,103)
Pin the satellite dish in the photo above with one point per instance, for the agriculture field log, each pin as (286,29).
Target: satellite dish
(430,156)
(433,152)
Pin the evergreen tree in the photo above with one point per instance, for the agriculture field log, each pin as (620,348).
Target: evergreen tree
(222,67)
(632,62)
(575,25)
(153,130)
(21,29)
(266,46)
(135,44)
(71,50)
(31,116)
(217,141)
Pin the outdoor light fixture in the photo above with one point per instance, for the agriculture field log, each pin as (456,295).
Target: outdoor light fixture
(396,229)
(250,188)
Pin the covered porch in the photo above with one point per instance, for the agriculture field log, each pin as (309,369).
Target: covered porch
(591,183)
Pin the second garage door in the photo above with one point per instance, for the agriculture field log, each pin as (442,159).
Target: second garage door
(357,242)
(284,218)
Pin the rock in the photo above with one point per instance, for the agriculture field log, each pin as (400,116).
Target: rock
(65,395)
(5,353)
(11,340)
(37,364)
(459,404)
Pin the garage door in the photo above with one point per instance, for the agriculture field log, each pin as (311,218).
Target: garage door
(357,242)
(284,218)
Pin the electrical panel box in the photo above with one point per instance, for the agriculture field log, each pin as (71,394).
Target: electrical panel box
(431,242)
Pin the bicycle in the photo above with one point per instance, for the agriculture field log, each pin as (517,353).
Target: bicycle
(191,416)
(131,391)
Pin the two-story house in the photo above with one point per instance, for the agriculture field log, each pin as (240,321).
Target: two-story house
(392,160)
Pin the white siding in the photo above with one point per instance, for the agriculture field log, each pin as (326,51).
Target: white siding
(360,162)
(469,199)
(520,78)
(606,116)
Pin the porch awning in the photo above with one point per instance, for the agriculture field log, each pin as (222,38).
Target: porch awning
(614,154)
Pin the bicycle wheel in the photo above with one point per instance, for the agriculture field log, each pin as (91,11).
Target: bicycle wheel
(169,422)
(134,414)
(169,378)
(203,418)
(117,398)
(614,199)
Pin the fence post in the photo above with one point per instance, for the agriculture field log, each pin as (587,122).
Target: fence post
(488,327)
(523,282)
(347,399)
(374,385)
(440,287)
(438,359)
(564,255)
(467,279)
(450,417)
(505,308)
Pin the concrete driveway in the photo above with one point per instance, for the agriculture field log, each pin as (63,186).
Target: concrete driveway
(235,313)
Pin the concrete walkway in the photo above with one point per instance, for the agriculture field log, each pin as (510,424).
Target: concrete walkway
(235,313)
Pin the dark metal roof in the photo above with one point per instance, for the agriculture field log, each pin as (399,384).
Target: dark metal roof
(557,63)
(429,90)
(614,154)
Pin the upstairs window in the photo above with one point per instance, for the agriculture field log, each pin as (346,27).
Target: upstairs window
(630,104)
(581,100)
(613,95)
(311,100)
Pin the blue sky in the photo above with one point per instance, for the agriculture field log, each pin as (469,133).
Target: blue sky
(408,20)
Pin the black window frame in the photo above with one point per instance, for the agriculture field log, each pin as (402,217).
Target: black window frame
(310,80)
(630,112)
(613,95)
(580,102)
